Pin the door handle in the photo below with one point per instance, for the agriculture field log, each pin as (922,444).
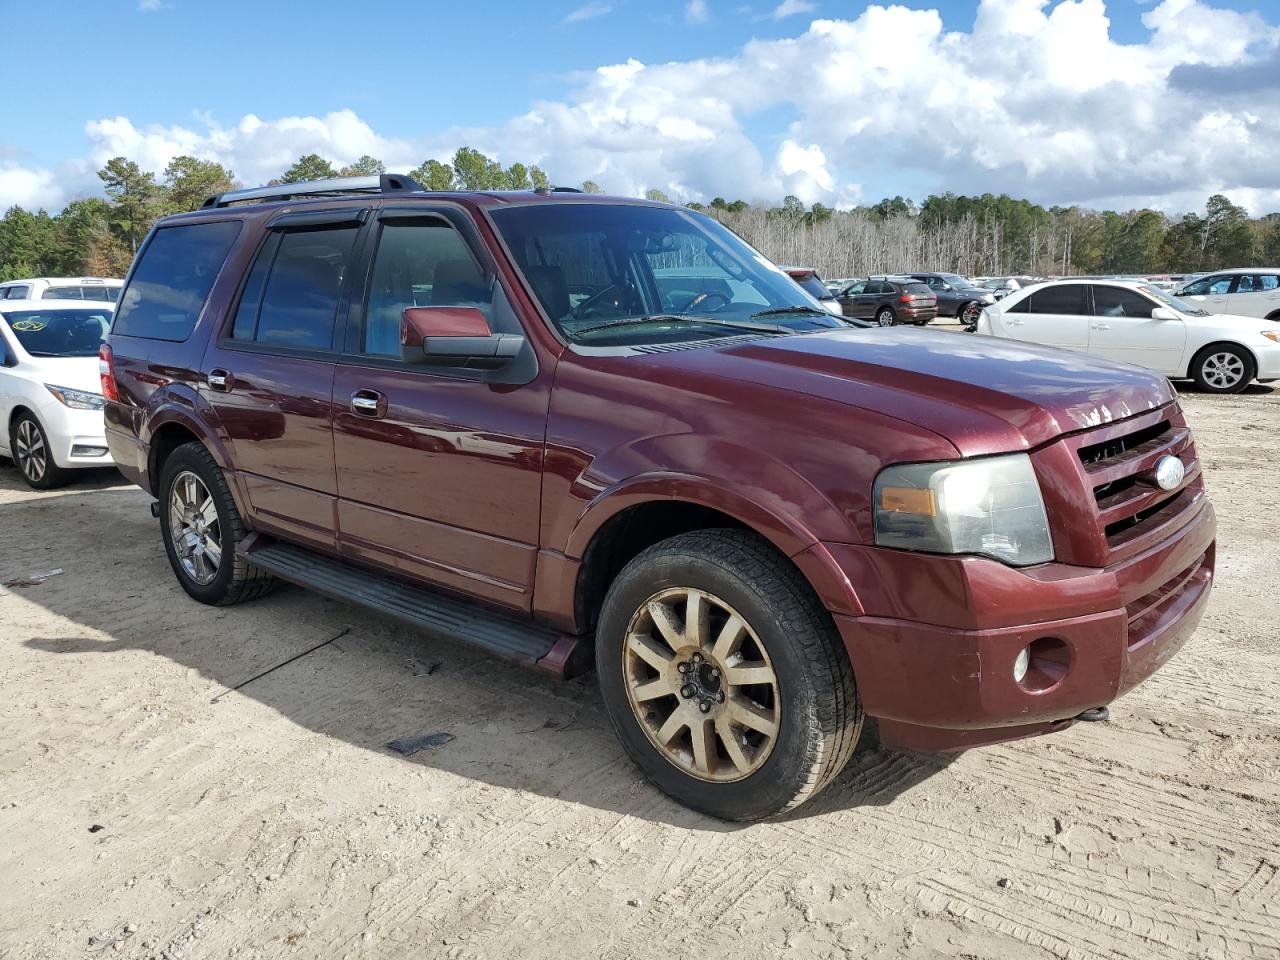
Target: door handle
(1102,326)
(369,403)
(1016,322)
(218,379)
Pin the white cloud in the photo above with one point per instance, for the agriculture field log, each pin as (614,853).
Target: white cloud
(149,6)
(790,8)
(696,11)
(29,187)
(588,11)
(1037,100)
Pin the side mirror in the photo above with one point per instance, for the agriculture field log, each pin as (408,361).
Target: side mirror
(1163,313)
(455,337)
(946,286)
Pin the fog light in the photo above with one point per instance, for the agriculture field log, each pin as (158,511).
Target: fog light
(1021,664)
(83,450)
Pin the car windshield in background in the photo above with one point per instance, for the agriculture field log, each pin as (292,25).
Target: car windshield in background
(59,333)
(1169,300)
(610,274)
(814,287)
(956,281)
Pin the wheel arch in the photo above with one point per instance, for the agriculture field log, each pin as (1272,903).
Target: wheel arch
(1195,357)
(171,427)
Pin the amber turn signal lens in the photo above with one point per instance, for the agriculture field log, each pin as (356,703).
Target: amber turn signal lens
(908,500)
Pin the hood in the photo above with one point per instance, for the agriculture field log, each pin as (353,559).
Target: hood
(982,394)
(78,373)
(1233,321)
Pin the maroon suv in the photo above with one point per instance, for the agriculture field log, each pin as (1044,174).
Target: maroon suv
(573,429)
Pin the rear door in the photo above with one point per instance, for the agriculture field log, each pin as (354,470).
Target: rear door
(1255,295)
(1122,329)
(1056,315)
(269,376)
(439,468)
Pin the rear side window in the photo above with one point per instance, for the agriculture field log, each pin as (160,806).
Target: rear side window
(291,296)
(1068,298)
(62,293)
(1119,302)
(172,280)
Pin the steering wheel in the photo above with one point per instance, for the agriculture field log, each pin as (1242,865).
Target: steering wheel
(586,310)
(704,297)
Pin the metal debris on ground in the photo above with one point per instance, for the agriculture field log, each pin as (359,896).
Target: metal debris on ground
(422,668)
(32,581)
(258,676)
(411,745)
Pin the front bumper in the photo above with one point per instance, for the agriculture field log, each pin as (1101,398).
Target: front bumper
(1268,362)
(949,687)
(77,438)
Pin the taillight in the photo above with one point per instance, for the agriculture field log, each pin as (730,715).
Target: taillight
(905,298)
(107,372)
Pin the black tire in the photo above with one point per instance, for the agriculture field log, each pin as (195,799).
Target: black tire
(818,710)
(885,317)
(965,322)
(235,579)
(1209,366)
(32,455)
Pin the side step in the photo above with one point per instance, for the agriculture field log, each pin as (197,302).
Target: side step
(521,642)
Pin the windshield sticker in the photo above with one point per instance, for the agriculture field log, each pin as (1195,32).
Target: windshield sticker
(28,326)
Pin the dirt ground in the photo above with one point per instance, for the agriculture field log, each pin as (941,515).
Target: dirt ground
(140,818)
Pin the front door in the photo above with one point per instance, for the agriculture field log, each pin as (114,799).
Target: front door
(1122,328)
(1209,293)
(269,376)
(1056,315)
(439,469)
(848,298)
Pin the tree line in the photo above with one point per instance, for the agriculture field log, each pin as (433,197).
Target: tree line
(989,235)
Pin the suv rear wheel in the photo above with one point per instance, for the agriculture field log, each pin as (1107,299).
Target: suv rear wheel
(723,676)
(201,527)
(884,317)
(1223,368)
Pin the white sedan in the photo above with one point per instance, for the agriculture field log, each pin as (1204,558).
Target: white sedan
(1141,324)
(50,392)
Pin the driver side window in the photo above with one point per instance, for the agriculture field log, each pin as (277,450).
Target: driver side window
(419,263)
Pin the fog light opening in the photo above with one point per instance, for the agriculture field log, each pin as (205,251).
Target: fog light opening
(1041,665)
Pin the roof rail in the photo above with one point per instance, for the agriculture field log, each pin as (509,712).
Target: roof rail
(335,187)
(547,191)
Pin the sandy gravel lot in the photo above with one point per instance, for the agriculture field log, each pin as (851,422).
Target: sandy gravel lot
(275,823)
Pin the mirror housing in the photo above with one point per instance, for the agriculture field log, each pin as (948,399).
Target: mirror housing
(1163,313)
(455,337)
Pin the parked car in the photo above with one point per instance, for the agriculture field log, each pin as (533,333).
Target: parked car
(812,284)
(1003,286)
(50,404)
(1138,323)
(956,296)
(62,288)
(389,397)
(1250,292)
(835,286)
(889,301)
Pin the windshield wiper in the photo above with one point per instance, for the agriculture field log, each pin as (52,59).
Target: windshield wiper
(686,318)
(779,311)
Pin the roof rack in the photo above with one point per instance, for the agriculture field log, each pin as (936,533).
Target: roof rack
(335,187)
(547,191)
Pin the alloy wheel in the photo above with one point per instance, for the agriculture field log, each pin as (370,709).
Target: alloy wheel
(1223,370)
(701,685)
(33,455)
(885,318)
(194,528)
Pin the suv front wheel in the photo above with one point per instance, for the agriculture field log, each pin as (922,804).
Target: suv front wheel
(201,527)
(723,676)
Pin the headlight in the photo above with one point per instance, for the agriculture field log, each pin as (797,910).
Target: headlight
(988,298)
(990,506)
(1272,335)
(76,399)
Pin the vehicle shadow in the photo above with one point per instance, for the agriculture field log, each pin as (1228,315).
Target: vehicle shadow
(91,478)
(513,728)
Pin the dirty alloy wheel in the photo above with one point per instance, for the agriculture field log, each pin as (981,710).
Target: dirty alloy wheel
(885,317)
(201,526)
(723,676)
(1223,368)
(969,316)
(31,452)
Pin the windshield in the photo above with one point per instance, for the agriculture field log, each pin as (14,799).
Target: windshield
(956,281)
(1171,301)
(59,333)
(610,274)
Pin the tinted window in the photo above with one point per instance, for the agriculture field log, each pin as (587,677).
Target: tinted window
(172,280)
(1209,285)
(62,293)
(59,333)
(1066,298)
(916,288)
(17,293)
(814,287)
(876,286)
(291,296)
(1119,302)
(423,263)
(854,289)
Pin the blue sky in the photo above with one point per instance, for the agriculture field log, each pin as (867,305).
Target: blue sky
(422,78)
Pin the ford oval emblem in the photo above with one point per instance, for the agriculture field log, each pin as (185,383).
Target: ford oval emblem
(1169,472)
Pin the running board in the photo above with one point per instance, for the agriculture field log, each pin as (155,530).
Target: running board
(518,641)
